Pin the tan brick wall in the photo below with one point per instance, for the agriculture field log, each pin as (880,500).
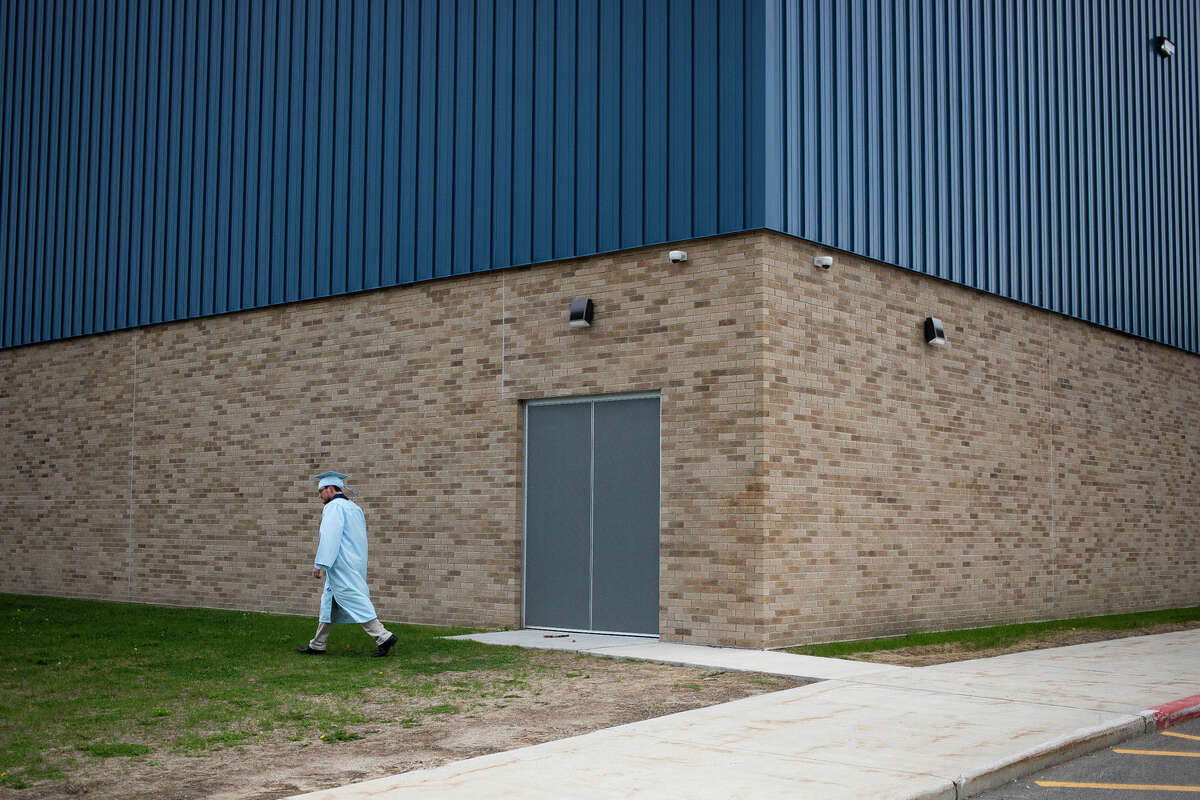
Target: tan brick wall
(416,392)
(65,427)
(825,474)
(1035,467)
(694,333)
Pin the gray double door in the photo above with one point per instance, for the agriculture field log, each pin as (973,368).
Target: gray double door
(592,514)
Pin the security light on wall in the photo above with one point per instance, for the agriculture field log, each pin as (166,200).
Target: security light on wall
(1164,46)
(677,256)
(580,315)
(935,332)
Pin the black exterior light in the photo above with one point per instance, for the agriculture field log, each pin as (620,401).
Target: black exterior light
(581,312)
(935,332)
(1164,46)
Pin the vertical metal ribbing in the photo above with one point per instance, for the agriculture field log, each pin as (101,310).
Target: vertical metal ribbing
(1105,289)
(1041,151)
(1190,241)
(7,102)
(72,256)
(22,209)
(43,103)
(51,294)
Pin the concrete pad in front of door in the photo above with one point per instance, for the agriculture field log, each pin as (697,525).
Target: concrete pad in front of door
(690,655)
(554,640)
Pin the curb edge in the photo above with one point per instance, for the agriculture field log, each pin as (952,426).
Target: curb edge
(1057,751)
(1077,744)
(1173,713)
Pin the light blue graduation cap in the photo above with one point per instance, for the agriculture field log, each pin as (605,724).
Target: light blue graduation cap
(331,479)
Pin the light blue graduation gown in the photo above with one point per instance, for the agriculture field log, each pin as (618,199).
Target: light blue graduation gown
(343,554)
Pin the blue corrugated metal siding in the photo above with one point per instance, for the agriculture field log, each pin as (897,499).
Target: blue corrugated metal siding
(164,159)
(1041,151)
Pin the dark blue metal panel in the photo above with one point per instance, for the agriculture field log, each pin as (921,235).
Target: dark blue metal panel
(216,290)
(441,203)
(325,54)
(464,110)
(51,265)
(406,246)
(502,153)
(482,163)
(1041,151)
(273,125)
(542,134)
(154,213)
(110,171)
(706,114)
(305,113)
(36,285)
(390,78)
(205,288)
(754,111)
(256,154)
(608,157)
(89,183)
(631,68)
(340,146)
(234,224)
(190,156)
(775,154)
(178,158)
(731,126)
(656,190)
(35,218)
(586,166)
(9,133)
(541,155)
(680,124)
(69,150)
(523,122)
(360,74)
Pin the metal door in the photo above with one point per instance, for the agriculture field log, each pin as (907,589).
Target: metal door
(592,514)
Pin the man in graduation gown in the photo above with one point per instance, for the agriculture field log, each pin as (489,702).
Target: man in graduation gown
(342,556)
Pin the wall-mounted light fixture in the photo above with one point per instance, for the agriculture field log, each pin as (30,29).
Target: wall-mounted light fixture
(677,256)
(935,332)
(823,262)
(581,312)
(1164,46)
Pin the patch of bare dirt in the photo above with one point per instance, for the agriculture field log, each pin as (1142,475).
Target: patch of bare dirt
(944,653)
(572,695)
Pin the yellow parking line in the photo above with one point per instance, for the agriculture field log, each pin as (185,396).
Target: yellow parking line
(1156,753)
(1129,787)
(1180,735)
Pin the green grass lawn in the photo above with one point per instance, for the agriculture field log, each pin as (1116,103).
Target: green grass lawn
(1001,635)
(86,679)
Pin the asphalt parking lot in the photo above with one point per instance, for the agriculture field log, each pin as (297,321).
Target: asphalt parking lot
(1164,764)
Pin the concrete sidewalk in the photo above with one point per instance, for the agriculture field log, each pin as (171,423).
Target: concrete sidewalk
(864,731)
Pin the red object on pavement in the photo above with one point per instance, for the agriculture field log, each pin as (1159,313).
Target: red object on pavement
(1177,711)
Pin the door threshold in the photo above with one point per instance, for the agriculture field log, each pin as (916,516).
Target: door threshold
(560,632)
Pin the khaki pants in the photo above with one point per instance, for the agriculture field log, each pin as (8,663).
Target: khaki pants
(373,628)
